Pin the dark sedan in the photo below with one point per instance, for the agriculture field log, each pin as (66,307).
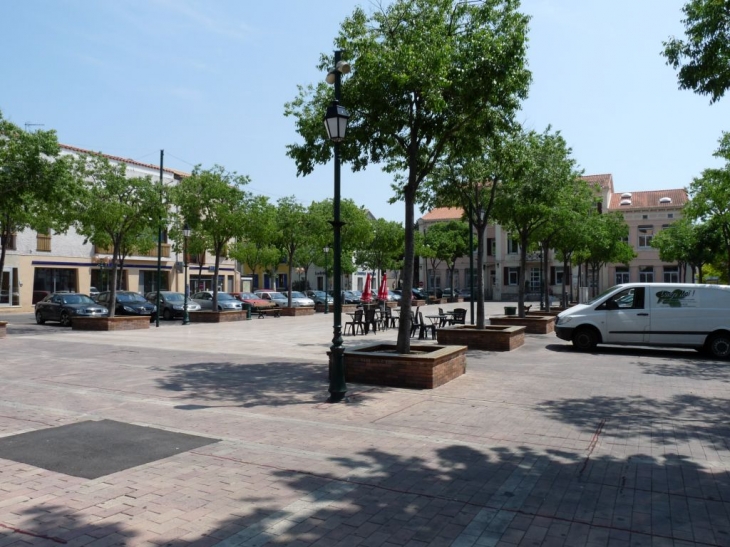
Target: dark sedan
(128,303)
(63,307)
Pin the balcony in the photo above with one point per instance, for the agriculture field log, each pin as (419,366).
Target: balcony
(152,253)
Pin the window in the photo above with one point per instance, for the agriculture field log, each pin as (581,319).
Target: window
(11,243)
(513,276)
(671,274)
(535,279)
(670,215)
(513,246)
(558,277)
(644,217)
(43,242)
(646,274)
(491,246)
(628,299)
(646,233)
(622,275)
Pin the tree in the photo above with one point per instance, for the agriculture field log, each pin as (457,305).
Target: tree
(256,247)
(36,184)
(292,232)
(702,58)
(114,210)
(450,241)
(710,196)
(386,247)
(526,203)
(214,204)
(572,237)
(427,75)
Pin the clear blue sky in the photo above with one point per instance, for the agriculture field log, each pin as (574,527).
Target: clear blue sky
(207,80)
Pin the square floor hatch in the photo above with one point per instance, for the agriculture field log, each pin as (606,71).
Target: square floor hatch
(93,449)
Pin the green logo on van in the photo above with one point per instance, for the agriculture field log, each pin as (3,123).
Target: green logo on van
(673,298)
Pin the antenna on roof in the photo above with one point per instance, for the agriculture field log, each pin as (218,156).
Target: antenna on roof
(28,124)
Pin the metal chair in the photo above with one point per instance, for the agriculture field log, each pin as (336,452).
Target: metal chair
(356,323)
(459,316)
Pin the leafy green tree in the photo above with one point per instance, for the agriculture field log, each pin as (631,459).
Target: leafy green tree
(256,247)
(427,75)
(702,57)
(36,184)
(386,247)
(450,241)
(471,181)
(710,196)
(214,204)
(292,228)
(526,203)
(115,210)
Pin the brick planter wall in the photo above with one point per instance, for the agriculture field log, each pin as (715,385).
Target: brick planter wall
(216,316)
(122,322)
(295,312)
(377,365)
(3,329)
(490,338)
(537,324)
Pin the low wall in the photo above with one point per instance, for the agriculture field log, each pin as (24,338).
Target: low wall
(3,329)
(426,367)
(534,324)
(295,312)
(122,322)
(216,316)
(490,338)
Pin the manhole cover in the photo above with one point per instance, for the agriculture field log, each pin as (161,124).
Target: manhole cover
(94,449)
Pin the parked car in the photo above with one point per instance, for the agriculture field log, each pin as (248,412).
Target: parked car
(450,293)
(128,303)
(225,301)
(299,299)
(435,292)
(465,294)
(93,293)
(273,296)
(350,297)
(252,301)
(63,307)
(393,296)
(171,303)
(319,297)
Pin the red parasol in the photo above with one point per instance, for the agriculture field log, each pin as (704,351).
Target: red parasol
(383,290)
(367,293)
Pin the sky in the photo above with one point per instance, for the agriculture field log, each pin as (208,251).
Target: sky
(206,81)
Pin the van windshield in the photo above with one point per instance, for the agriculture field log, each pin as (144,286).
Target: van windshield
(602,295)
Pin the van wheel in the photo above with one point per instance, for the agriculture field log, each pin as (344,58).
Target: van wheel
(585,339)
(719,345)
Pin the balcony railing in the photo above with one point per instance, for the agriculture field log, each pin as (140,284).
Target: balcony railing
(151,253)
(43,243)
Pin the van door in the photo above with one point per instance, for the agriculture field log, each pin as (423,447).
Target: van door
(627,317)
(678,318)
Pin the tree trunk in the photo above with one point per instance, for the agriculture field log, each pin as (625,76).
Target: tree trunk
(521,277)
(404,326)
(481,235)
(218,251)
(545,273)
(4,237)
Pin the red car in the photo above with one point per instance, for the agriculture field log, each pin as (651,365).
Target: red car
(252,300)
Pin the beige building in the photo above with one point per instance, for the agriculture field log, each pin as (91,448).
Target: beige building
(38,264)
(646,213)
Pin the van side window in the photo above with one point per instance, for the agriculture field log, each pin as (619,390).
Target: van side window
(629,299)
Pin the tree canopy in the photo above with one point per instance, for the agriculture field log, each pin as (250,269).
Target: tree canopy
(427,75)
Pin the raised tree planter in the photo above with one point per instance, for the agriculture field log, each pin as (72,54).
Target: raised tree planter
(416,303)
(490,338)
(295,312)
(455,299)
(3,329)
(535,324)
(426,367)
(216,316)
(552,313)
(122,322)
(346,308)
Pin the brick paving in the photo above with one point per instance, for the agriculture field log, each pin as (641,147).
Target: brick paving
(539,446)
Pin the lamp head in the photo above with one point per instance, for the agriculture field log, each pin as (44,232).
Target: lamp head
(335,121)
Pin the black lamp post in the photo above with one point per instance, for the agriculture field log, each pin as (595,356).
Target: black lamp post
(186,234)
(326,281)
(335,120)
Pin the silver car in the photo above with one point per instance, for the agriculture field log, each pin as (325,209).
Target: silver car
(225,301)
(276,297)
(299,299)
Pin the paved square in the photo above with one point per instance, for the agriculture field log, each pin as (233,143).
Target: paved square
(539,446)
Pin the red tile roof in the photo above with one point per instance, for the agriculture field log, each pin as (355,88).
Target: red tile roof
(443,213)
(604,181)
(124,160)
(648,199)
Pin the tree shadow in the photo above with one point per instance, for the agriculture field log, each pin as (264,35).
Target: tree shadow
(211,384)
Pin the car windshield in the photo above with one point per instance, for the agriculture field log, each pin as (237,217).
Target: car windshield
(297,294)
(277,296)
(174,297)
(77,299)
(225,296)
(130,297)
(249,296)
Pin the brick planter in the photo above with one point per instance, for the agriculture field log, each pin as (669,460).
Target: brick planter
(122,322)
(535,324)
(216,316)
(296,312)
(455,299)
(416,303)
(3,329)
(426,367)
(490,338)
(345,308)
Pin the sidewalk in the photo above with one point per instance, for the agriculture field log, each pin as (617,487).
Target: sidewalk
(539,446)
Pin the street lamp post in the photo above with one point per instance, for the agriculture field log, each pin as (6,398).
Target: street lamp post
(326,281)
(186,234)
(335,121)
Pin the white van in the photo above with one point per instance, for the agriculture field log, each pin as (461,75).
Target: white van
(652,314)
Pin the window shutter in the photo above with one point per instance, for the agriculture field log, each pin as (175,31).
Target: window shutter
(552,275)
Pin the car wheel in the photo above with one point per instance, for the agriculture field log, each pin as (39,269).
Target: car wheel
(167,314)
(719,345)
(39,318)
(65,319)
(585,339)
